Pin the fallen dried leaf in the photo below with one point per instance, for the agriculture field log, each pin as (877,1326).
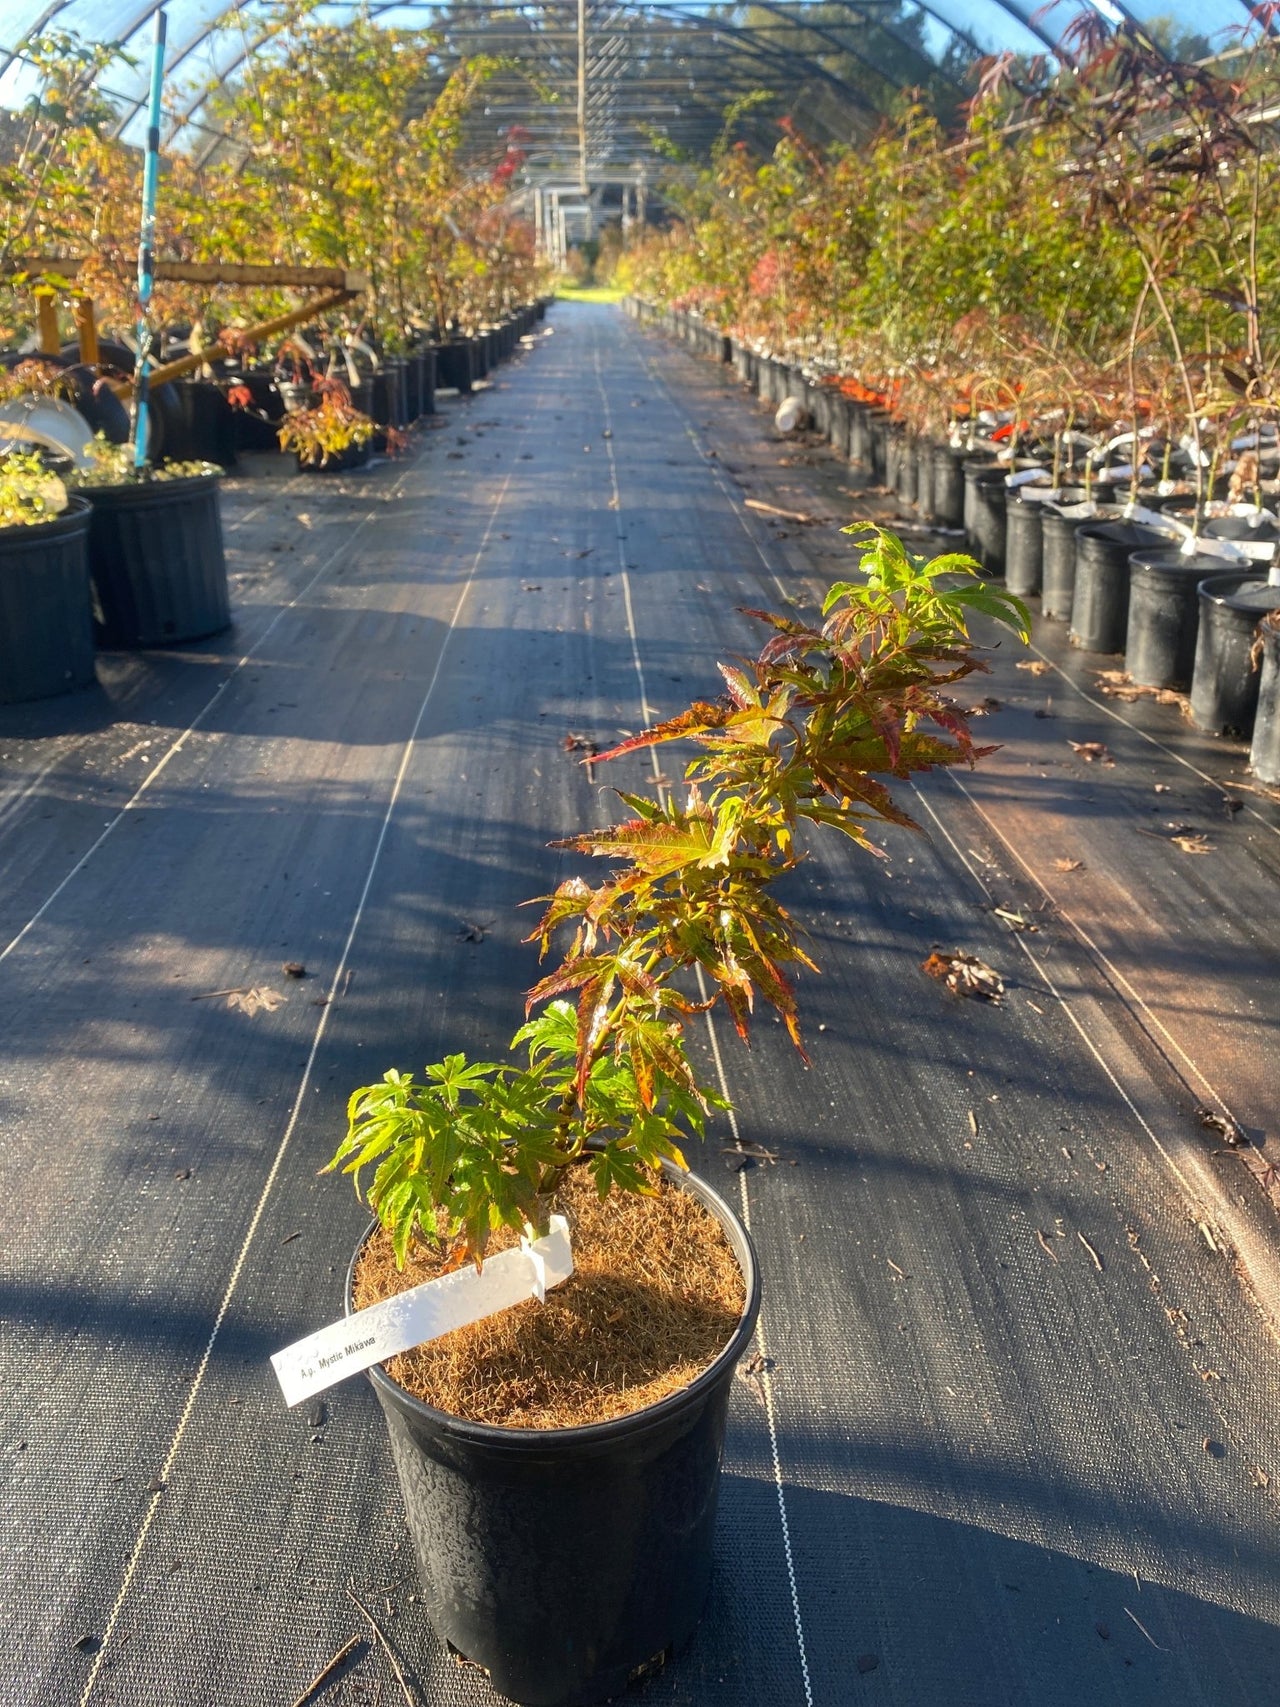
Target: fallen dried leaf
(575,743)
(1097,1260)
(754,1152)
(798,516)
(1192,842)
(260,999)
(294,969)
(1068,865)
(1115,684)
(1034,666)
(965,974)
(1092,752)
(1223,1124)
(1016,920)
(752,1371)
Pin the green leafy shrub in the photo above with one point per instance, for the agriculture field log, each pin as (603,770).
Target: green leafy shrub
(113,465)
(29,492)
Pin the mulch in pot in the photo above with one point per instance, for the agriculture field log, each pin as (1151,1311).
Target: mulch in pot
(655,1295)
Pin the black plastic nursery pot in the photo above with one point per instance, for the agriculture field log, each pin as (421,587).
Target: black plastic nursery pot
(454,366)
(1164,615)
(895,449)
(381,408)
(341,461)
(1023,545)
(427,381)
(837,420)
(879,431)
(46,621)
(860,452)
(1058,558)
(157,562)
(1224,683)
(985,497)
(1264,754)
(208,430)
(412,387)
(947,499)
(1100,603)
(567,1562)
(907,482)
(818,403)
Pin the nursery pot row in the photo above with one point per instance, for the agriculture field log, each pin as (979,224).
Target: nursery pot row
(568,1562)
(130,565)
(1122,586)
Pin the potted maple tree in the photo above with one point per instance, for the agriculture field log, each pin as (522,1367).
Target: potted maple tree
(560,1461)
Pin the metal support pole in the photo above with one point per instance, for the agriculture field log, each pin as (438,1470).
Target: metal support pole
(582,96)
(146,245)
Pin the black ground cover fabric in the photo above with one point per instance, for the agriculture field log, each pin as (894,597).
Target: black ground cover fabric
(1016,1439)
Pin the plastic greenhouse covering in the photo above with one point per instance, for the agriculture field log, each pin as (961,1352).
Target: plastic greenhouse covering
(658,66)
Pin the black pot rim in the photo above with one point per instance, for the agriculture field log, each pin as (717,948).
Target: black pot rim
(1106,528)
(532,1441)
(142,492)
(1154,560)
(1213,589)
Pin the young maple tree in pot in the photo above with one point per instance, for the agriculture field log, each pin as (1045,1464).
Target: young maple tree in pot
(566,1544)
(804,735)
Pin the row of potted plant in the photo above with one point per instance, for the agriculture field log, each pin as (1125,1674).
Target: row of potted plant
(1181,591)
(1093,253)
(1081,279)
(425,218)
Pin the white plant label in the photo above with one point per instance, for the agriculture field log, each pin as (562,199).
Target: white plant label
(424,1313)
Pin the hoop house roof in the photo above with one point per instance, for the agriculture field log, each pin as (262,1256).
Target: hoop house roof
(659,75)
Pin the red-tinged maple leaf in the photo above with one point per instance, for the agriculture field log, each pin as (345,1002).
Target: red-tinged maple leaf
(567,978)
(702,716)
